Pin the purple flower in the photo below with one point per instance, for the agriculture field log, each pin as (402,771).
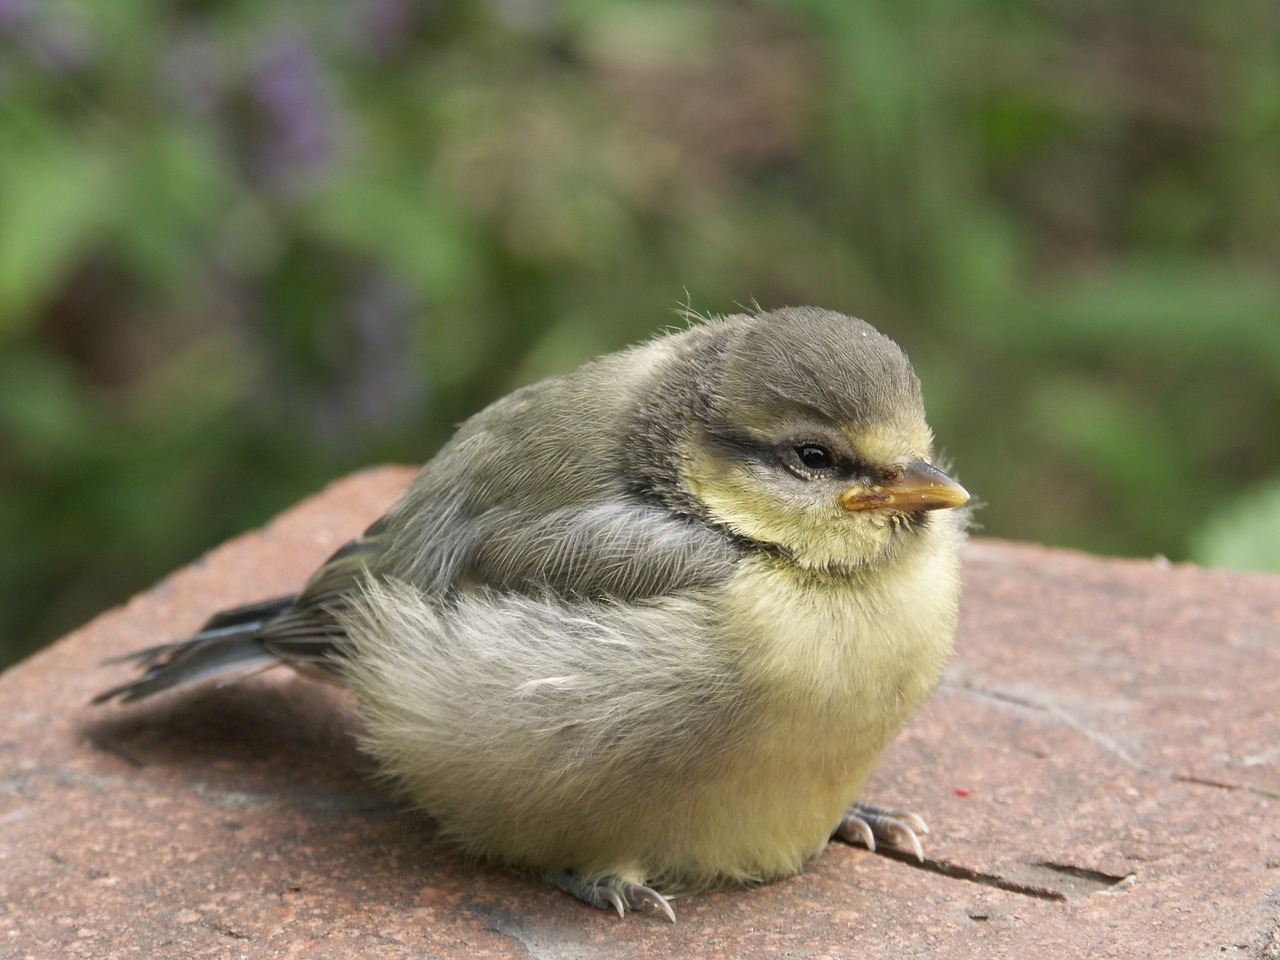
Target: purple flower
(297,120)
(14,15)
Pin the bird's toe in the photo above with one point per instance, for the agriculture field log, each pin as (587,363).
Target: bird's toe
(865,823)
(604,895)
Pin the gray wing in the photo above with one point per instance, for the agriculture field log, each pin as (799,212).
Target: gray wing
(507,505)
(618,549)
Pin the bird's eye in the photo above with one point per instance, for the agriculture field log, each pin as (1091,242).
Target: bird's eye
(810,459)
(815,458)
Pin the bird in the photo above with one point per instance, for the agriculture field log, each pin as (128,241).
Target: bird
(644,628)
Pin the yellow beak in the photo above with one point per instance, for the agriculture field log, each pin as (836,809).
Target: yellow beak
(917,486)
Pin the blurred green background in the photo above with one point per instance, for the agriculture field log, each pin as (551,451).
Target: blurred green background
(246,247)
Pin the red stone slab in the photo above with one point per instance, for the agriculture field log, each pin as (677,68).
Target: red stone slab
(1101,769)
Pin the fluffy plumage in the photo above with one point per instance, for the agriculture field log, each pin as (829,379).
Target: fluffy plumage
(648,624)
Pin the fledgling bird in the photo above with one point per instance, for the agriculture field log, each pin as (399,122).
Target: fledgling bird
(645,627)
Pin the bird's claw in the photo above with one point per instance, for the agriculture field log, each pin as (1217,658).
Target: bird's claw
(637,893)
(866,823)
(603,896)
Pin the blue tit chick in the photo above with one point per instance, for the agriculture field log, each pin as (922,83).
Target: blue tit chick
(646,627)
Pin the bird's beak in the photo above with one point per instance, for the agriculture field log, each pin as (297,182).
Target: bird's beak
(917,486)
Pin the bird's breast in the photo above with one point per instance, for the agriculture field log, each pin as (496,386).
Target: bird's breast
(867,645)
(836,666)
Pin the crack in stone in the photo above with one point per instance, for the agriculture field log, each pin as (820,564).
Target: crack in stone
(956,871)
(1096,878)
(1106,742)
(1224,785)
(1040,880)
(1098,737)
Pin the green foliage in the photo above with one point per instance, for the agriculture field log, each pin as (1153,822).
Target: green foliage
(247,247)
(1246,535)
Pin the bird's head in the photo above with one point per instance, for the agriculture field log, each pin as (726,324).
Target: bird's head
(812,440)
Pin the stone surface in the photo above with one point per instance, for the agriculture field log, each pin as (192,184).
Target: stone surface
(1101,769)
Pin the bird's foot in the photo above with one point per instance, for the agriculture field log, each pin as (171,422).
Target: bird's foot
(866,824)
(604,895)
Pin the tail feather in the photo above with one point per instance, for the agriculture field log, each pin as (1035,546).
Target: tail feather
(202,655)
(249,613)
(302,631)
